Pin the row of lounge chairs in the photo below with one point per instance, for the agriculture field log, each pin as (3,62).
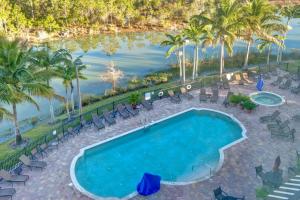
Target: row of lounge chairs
(242,79)
(8,177)
(277,127)
(285,84)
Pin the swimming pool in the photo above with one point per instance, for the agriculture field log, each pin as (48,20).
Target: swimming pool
(267,98)
(182,149)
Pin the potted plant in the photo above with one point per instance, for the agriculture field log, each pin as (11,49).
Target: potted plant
(134,99)
(249,106)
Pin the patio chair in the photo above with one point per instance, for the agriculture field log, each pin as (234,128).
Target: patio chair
(278,81)
(147,104)
(72,132)
(238,80)
(224,84)
(278,125)
(246,78)
(185,93)
(122,111)
(285,133)
(42,149)
(203,95)
(226,100)
(296,90)
(8,177)
(7,192)
(221,195)
(215,96)
(133,112)
(174,98)
(286,84)
(97,122)
(32,163)
(259,171)
(108,118)
(270,118)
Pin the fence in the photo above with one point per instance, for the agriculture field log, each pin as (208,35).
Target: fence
(12,161)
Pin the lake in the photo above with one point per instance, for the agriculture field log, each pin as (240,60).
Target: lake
(136,54)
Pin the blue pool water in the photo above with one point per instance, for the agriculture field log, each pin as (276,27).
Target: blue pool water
(183,148)
(267,99)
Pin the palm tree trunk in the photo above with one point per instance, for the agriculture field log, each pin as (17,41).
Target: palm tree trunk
(51,107)
(278,55)
(72,98)
(268,57)
(283,41)
(67,104)
(180,64)
(197,60)
(78,91)
(247,54)
(183,60)
(194,64)
(16,124)
(221,59)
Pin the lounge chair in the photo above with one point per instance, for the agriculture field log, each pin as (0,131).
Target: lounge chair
(133,112)
(238,80)
(122,111)
(224,84)
(8,177)
(278,81)
(72,132)
(174,98)
(97,122)
(185,93)
(7,192)
(147,104)
(270,118)
(278,125)
(246,78)
(32,163)
(221,195)
(42,149)
(286,84)
(108,118)
(215,96)
(296,90)
(286,133)
(203,95)
(226,100)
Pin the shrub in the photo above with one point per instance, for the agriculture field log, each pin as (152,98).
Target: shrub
(238,99)
(248,105)
(134,98)
(261,193)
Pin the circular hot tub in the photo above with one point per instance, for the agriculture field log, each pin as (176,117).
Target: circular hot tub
(267,99)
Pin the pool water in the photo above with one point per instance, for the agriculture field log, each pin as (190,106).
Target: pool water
(183,148)
(267,99)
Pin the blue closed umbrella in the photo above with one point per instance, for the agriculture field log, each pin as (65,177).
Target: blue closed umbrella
(149,184)
(260,83)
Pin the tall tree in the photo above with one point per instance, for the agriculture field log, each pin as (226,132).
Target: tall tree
(289,12)
(49,61)
(19,80)
(175,43)
(225,22)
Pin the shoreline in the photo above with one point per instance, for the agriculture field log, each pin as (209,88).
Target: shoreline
(41,36)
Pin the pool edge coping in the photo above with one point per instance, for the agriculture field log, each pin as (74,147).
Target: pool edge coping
(283,100)
(219,166)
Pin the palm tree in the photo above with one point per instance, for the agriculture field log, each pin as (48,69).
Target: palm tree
(48,61)
(224,23)
(19,81)
(259,17)
(198,35)
(175,42)
(79,66)
(267,44)
(68,73)
(289,12)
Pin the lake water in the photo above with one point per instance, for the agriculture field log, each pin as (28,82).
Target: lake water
(136,54)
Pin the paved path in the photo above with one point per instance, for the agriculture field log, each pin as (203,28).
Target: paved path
(237,175)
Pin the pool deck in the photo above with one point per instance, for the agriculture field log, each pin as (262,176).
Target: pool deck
(237,175)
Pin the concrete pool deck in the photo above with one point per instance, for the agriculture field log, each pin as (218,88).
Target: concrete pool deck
(236,176)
